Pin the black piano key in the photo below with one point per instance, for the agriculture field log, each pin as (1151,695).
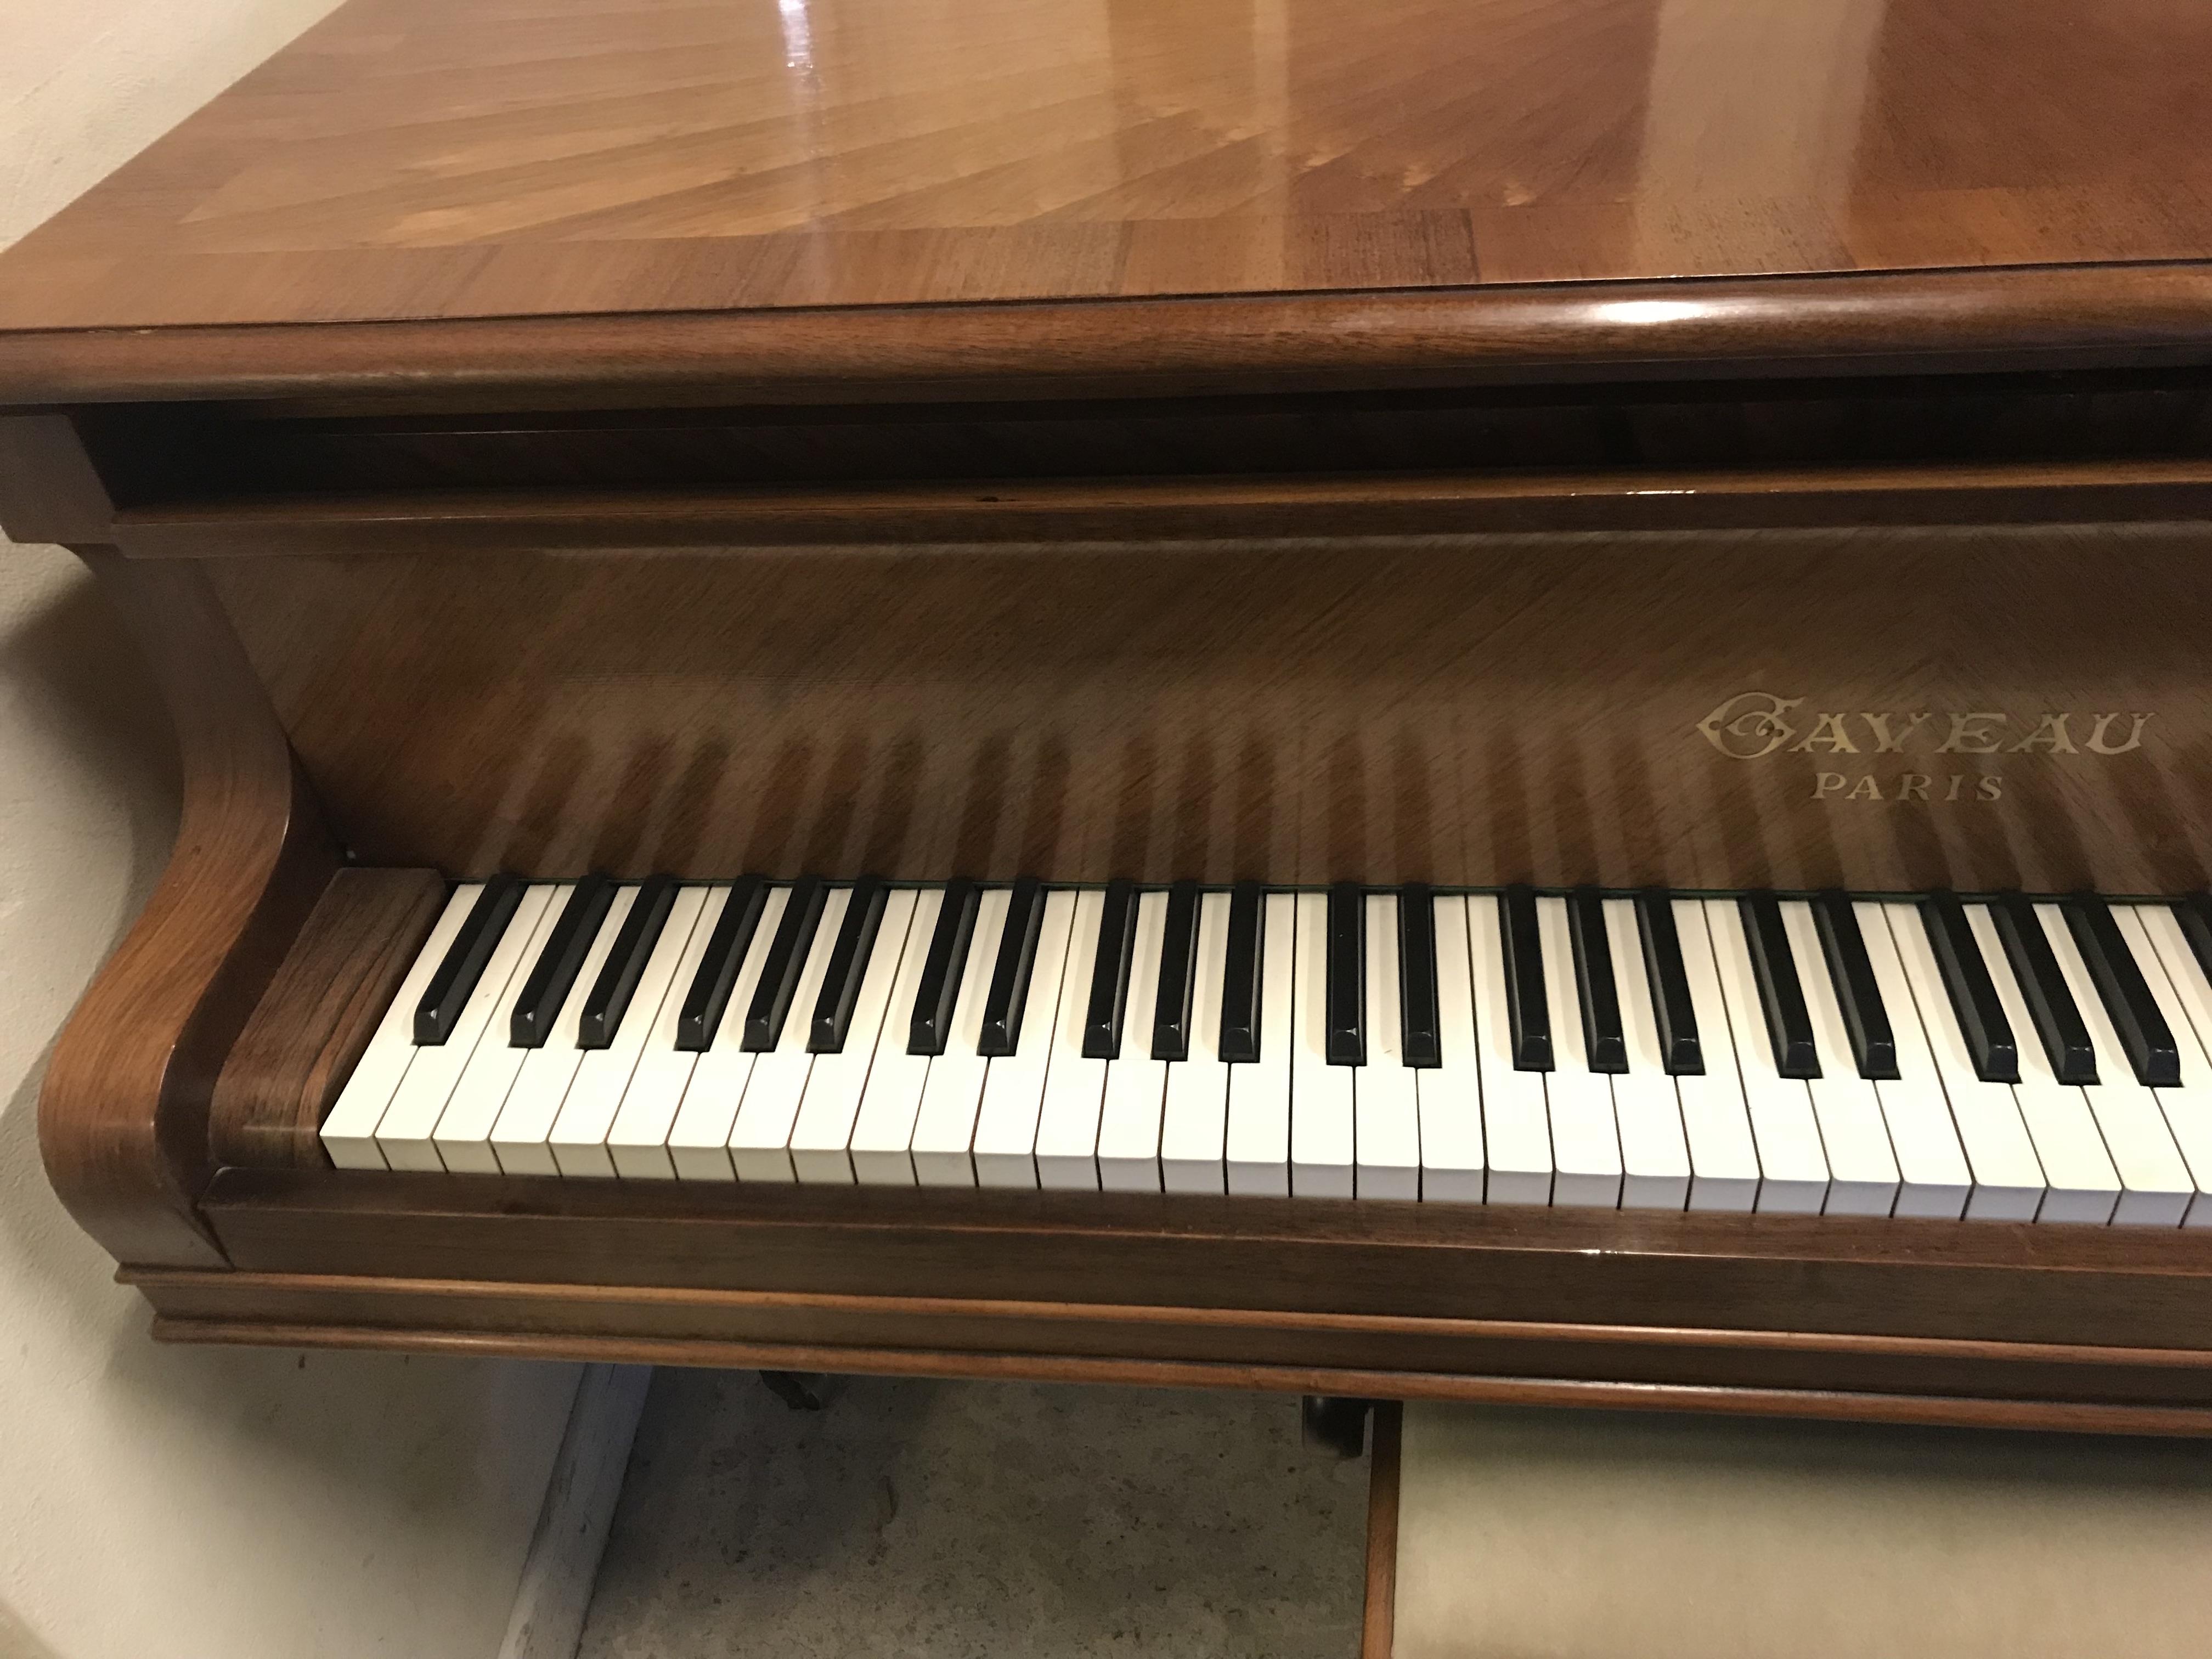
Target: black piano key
(1669,977)
(464,960)
(1345,993)
(1527,1011)
(2145,1037)
(1866,1021)
(931,1028)
(1973,995)
(618,976)
(786,961)
(848,966)
(1010,975)
(2194,913)
(1178,975)
(1420,1018)
(708,996)
(2051,1003)
(1110,973)
(1781,993)
(1240,986)
(554,975)
(1859,998)
(1605,1040)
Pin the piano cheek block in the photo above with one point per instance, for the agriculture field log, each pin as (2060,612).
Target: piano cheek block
(1414,682)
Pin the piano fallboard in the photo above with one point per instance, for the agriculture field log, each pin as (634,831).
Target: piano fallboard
(1888,710)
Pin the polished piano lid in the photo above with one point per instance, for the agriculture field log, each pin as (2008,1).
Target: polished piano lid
(454,158)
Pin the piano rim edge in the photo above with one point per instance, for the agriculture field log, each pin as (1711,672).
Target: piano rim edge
(243,1308)
(1841,322)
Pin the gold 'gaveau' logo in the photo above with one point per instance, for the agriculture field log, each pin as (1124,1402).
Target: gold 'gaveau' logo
(1750,724)
(1755,723)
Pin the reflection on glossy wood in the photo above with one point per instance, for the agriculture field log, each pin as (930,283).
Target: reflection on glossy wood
(1462,710)
(418,158)
(2047,317)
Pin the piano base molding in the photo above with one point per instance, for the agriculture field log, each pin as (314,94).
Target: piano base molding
(924,1337)
(1959,1323)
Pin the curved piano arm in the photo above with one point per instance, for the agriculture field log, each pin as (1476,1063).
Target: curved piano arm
(122,1117)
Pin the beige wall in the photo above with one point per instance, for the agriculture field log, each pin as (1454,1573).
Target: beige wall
(170,1503)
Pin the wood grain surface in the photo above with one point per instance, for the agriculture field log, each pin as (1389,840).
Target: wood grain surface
(421,158)
(284,1072)
(123,1116)
(1475,710)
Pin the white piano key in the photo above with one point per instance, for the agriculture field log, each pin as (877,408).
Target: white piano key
(1194,1122)
(1933,1179)
(699,1139)
(821,1137)
(348,1131)
(1585,1140)
(1655,1157)
(1516,1126)
(1793,1169)
(2177,983)
(579,1140)
(519,1139)
(1386,1105)
(638,1141)
(2156,1188)
(883,1133)
(404,1135)
(1724,1157)
(760,1136)
(945,1127)
(1260,1091)
(1074,1086)
(2080,1183)
(1321,1094)
(1014,1088)
(1862,1178)
(1136,1084)
(1453,1167)
(2007,1181)
(464,1131)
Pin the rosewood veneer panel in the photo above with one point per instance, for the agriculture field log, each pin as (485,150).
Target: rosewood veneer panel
(418,158)
(1479,710)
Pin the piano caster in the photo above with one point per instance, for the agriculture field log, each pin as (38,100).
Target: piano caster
(803,1391)
(1332,1422)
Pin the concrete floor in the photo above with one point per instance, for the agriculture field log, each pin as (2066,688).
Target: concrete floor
(1003,1520)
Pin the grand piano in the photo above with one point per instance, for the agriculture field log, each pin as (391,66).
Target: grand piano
(1505,699)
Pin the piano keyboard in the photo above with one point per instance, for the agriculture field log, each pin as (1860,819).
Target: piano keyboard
(2009,1059)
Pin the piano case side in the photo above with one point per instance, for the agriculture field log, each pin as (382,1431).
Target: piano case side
(123,1116)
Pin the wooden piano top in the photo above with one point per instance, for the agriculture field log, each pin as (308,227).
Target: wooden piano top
(413,159)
